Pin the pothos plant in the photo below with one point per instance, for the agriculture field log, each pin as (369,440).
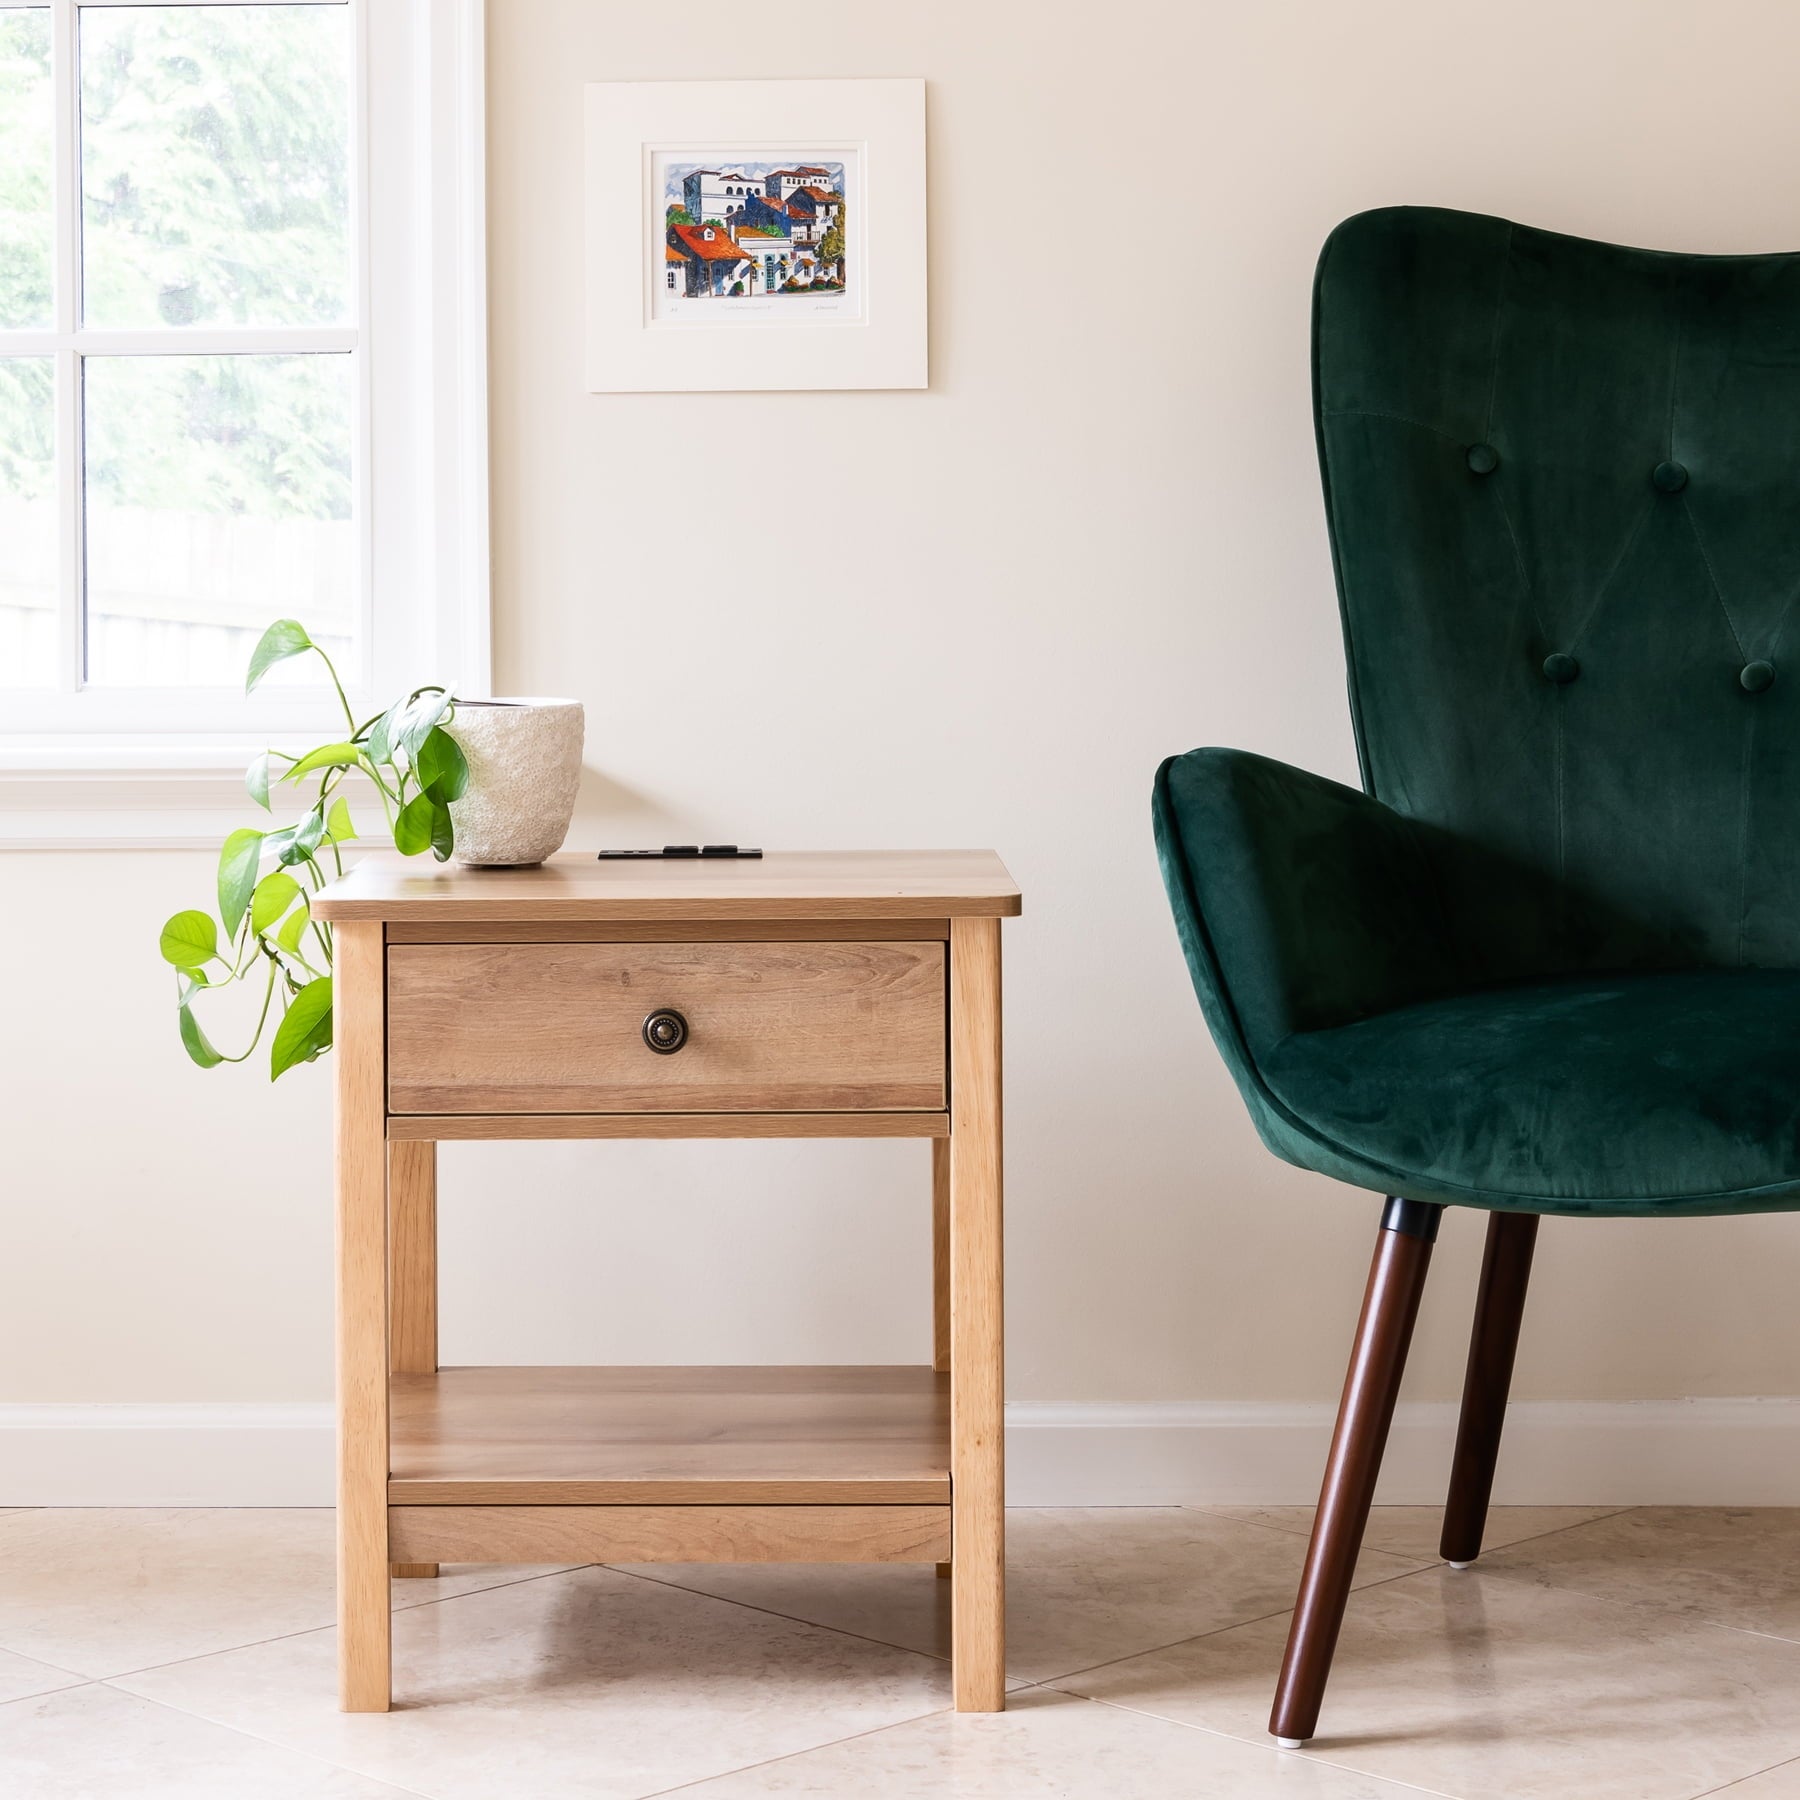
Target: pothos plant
(267,878)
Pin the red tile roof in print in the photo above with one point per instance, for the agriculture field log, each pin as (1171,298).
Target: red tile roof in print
(819,194)
(708,243)
(671,254)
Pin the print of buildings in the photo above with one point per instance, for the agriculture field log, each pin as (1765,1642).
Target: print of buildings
(734,233)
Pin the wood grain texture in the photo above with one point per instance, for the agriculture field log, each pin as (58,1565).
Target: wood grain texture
(538,1534)
(672,931)
(977,1453)
(489,1127)
(362,1347)
(805,884)
(940,1252)
(412,1258)
(412,1279)
(532,1028)
(851,1435)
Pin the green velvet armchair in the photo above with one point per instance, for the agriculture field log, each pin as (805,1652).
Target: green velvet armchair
(1548,961)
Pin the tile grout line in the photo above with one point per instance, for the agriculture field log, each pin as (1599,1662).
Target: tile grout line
(768,1762)
(1268,1744)
(74,1686)
(769,1612)
(1793,1762)
(255,1737)
(1699,1621)
(282,1637)
(1025,1682)
(1280,1612)
(45,1663)
(1532,1538)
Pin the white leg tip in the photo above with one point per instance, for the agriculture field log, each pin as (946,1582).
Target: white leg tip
(1290,1743)
(1462,1565)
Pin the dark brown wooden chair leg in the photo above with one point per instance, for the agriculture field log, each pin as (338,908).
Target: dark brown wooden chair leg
(1377,1361)
(1500,1301)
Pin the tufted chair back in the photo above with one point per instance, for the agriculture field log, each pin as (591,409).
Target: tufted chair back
(1563,488)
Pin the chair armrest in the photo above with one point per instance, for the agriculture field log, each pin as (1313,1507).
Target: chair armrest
(1301,903)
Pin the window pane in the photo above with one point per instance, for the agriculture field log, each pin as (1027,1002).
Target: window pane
(215,165)
(218,499)
(25,116)
(27,522)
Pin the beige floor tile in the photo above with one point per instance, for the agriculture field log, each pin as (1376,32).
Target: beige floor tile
(1492,1688)
(1732,1566)
(590,1684)
(97,1744)
(21,1675)
(106,1592)
(1083,1585)
(1773,1784)
(1413,1530)
(1046,1746)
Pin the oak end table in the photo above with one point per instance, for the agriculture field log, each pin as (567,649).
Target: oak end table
(827,994)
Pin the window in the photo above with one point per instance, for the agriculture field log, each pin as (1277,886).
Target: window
(235,305)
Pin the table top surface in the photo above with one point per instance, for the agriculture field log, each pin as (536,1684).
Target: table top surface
(784,884)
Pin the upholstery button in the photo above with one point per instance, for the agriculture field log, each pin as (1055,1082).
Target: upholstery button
(1561,668)
(1668,477)
(1756,676)
(1484,459)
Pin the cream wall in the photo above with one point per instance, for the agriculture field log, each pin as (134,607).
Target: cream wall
(1095,540)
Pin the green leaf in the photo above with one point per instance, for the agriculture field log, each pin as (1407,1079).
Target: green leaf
(256,779)
(299,841)
(441,764)
(288,937)
(443,833)
(306,1029)
(285,638)
(415,824)
(189,939)
(381,734)
(237,876)
(194,1039)
(420,721)
(337,822)
(275,893)
(327,756)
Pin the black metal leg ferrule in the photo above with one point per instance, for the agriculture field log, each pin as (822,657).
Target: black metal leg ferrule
(1413,1218)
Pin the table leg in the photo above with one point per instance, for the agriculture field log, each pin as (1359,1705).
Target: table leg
(977,1449)
(940,1269)
(412,1277)
(364,1677)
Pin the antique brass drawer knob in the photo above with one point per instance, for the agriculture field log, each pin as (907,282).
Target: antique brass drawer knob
(665,1031)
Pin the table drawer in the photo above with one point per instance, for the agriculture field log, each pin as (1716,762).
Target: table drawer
(771,1027)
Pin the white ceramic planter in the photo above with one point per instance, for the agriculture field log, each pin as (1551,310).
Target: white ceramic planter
(524,770)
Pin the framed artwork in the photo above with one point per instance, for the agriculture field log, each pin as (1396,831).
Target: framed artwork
(755,234)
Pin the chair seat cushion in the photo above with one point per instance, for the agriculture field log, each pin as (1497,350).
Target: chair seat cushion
(1630,1094)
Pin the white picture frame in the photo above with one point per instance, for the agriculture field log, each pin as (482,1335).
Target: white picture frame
(753,304)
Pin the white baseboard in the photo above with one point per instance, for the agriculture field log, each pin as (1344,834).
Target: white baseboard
(1194,1453)
(167,1455)
(1555,1453)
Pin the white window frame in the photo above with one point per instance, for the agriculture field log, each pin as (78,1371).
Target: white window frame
(95,765)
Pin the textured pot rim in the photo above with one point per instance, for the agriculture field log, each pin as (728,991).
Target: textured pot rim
(534,702)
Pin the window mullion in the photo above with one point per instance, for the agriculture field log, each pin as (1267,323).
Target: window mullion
(66,306)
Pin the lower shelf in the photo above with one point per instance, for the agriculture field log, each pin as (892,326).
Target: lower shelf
(528,1534)
(656,1438)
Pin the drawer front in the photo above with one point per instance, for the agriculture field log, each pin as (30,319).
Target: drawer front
(771,1027)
